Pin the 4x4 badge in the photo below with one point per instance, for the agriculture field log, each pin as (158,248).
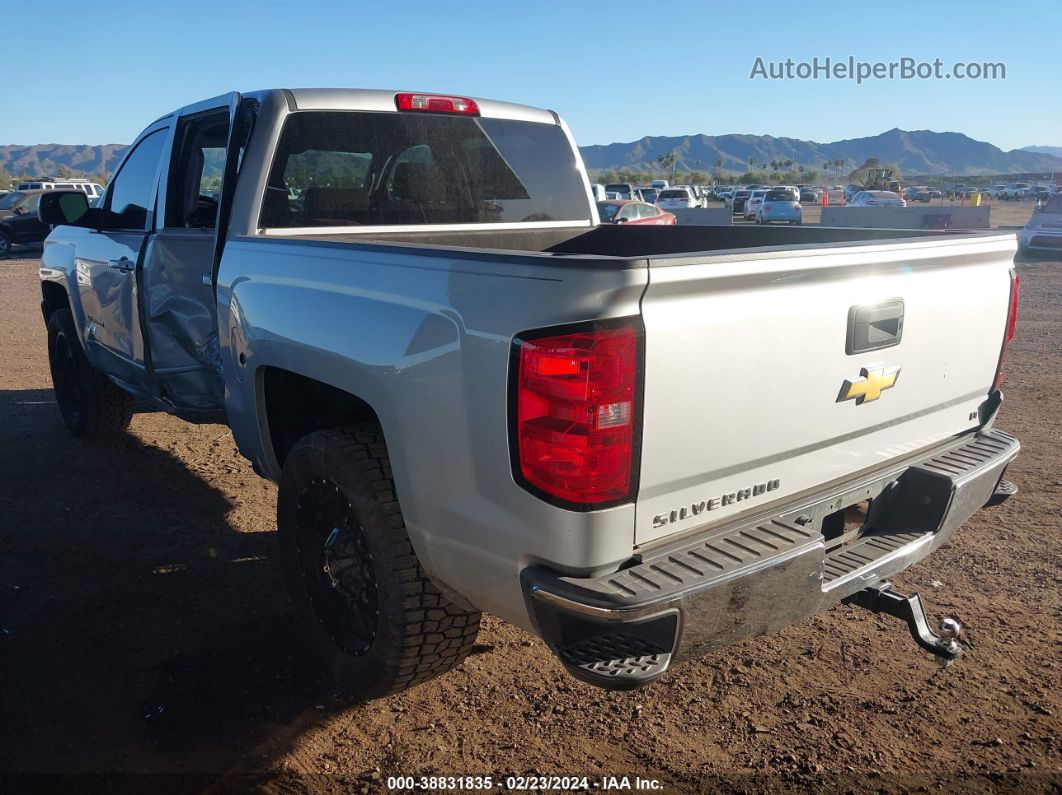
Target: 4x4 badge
(872,381)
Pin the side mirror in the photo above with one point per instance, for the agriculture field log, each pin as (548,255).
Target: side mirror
(622,220)
(63,208)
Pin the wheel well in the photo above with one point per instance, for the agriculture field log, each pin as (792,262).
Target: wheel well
(53,297)
(296,405)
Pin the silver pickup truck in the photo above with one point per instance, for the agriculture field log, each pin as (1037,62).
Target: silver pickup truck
(640,443)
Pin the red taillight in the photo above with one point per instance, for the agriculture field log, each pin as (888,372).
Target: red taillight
(437,103)
(1012,322)
(575,415)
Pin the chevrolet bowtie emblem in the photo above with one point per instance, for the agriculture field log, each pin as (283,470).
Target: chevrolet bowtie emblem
(872,381)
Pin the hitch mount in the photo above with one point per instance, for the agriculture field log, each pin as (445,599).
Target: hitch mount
(881,598)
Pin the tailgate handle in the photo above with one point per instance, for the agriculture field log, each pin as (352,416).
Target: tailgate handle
(872,327)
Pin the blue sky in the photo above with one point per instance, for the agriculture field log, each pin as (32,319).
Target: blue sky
(616,71)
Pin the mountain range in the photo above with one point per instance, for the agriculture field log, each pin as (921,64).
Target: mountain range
(914,152)
(45,160)
(1046,150)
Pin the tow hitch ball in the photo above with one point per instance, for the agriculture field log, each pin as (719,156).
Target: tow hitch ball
(881,598)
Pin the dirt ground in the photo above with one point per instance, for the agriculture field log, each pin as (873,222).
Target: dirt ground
(144,630)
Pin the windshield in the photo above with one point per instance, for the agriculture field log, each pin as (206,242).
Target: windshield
(8,201)
(1053,206)
(335,168)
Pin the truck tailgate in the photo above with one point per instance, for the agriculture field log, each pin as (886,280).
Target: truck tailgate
(754,394)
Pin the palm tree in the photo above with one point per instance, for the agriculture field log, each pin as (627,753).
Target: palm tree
(752,163)
(667,161)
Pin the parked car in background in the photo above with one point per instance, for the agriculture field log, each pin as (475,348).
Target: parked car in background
(1043,232)
(752,204)
(877,198)
(917,194)
(633,213)
(91,189)
(647,194)
(21,224)
(622,190)
(1015,190)
(810,195)
(737,201)
(597,191)
(659,184)
(695,192)
(677,198)
(780,206)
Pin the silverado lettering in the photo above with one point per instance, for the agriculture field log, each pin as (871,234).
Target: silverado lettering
(697,508)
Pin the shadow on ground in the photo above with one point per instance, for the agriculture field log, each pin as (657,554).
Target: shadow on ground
(140,631)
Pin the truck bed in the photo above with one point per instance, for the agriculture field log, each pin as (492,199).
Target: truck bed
(663,245)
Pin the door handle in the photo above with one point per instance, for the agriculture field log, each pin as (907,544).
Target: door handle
(872,327)
(124,264)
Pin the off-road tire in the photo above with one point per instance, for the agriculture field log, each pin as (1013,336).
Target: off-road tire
(418,632)
(93,407)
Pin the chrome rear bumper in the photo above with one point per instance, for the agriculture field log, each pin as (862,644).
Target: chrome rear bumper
(624,629)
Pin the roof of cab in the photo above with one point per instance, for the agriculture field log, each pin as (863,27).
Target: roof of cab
(384,100)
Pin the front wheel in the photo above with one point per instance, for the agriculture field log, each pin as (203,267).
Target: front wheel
(5,244)
(372,615)
(93,407)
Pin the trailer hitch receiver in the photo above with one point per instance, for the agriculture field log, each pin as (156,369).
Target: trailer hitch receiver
(881,598)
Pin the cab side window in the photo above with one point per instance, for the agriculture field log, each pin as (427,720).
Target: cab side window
(198,166)
(132,190)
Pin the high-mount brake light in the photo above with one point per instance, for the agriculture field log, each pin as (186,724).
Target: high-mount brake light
(575,404)
(1012,322)
(437,103)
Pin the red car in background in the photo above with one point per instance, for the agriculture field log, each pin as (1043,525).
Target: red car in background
(623,211)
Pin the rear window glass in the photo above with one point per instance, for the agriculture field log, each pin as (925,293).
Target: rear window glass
(673,194)
(780,196)
(882,194)
(336,168)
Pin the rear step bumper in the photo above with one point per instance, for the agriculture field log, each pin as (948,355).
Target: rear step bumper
(623,629)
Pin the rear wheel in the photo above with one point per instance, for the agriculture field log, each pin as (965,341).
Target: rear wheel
(93,407)
(372,615)
(5,244)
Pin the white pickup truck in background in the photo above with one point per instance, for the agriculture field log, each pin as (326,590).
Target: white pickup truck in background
(638,443)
